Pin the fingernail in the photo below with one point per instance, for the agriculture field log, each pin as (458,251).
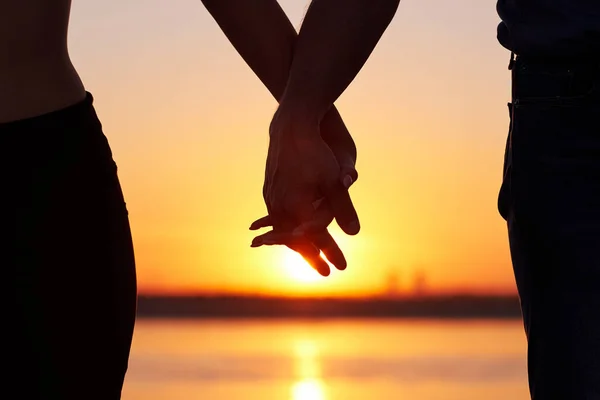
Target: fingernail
(354,227)
(256,243)
(298,232)
(317,203)
(325,272)
(347,181)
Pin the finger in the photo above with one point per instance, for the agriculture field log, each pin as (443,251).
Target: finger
(307,250)
(348,175)
(321,219)
(325,242)
(281,221)
(261,223)
(342,208)
(312,256)
(317,203)
(273,238)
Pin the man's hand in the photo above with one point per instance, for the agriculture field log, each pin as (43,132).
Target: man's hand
(306,186)
(314,241)
(309,245)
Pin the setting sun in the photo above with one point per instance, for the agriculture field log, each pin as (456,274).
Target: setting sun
(308,390)
(191,146)
(297,268)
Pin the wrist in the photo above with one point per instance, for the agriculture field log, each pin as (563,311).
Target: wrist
(301,105)
(295,120)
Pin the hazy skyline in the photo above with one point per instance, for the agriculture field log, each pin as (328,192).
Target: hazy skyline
(428,113)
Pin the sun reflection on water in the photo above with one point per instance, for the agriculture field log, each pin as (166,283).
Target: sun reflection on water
(309,389)
(309,385)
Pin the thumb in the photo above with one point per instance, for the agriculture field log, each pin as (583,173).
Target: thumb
(341,205)
(348,175)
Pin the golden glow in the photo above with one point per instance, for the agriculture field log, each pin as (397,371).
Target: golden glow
(297,268)
(188,130)
(309,389)
(309,385)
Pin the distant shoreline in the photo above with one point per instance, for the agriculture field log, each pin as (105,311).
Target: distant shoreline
(249,307)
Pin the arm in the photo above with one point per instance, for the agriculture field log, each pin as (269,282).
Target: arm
(262,34)
(265,38)
(335,41)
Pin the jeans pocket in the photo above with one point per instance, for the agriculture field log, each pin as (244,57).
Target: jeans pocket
(504,198)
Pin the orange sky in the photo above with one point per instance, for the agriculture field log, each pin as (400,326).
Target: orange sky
(187,121)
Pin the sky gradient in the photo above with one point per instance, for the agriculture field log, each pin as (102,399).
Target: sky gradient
(187,121)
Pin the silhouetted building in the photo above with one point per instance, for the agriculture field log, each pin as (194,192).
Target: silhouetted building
(419,283)
(392,288)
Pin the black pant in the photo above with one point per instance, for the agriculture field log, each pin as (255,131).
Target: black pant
(68,272)
(550,198)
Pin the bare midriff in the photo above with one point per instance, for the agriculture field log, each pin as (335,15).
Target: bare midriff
(36,73)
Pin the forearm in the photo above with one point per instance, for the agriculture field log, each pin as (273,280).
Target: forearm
(336,39)
(262,34)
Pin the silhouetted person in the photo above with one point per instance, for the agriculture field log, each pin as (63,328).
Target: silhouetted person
(69,272)
(550,194)
(69,294)
(67,262)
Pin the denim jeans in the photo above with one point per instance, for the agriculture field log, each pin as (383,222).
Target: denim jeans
(550,198)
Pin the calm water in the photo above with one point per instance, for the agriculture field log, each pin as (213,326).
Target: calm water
(331,360)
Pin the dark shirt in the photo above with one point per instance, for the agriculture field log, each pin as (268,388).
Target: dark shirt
(550,27)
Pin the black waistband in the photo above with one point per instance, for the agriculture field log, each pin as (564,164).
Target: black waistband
(76,110)
(559,60)
(73,124)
